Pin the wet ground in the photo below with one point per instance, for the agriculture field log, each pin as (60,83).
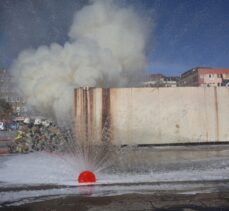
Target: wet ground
(132,202)
(148,178)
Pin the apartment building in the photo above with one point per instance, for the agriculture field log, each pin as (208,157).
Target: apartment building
(205,76)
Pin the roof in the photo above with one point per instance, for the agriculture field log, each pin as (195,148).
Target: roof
(206,70)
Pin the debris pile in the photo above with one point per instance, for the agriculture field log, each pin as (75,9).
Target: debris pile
(38,137)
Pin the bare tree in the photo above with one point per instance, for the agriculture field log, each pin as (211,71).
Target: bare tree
(6,110)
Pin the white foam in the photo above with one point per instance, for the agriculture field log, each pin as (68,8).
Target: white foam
(44,168)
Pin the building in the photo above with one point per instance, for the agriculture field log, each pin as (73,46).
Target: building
(10,94)
(205,76)
(159,80)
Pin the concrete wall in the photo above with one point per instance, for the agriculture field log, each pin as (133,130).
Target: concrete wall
(153,115)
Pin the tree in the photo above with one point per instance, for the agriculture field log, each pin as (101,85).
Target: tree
(6,109)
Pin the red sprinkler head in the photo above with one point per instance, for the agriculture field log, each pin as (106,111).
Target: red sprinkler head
(87,177)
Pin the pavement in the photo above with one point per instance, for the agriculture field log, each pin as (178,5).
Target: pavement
(133,202)
(204,168)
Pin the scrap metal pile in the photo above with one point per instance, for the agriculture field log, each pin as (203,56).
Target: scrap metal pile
(38,137)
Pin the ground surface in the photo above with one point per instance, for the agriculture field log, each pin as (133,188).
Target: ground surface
(133,202)
(152,178)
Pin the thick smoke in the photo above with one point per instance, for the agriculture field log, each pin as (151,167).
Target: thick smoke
(105,49)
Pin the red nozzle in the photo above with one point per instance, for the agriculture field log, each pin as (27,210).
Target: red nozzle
(87,177)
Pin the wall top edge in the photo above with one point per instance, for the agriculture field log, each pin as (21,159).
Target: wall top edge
(152,88)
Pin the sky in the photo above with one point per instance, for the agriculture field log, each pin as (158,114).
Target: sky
(186,33)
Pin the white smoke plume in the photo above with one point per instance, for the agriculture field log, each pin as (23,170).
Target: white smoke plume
(105,49)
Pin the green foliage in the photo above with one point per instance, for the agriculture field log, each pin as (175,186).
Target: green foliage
(6,109)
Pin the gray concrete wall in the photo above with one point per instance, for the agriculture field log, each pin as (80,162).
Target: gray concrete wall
(153,115)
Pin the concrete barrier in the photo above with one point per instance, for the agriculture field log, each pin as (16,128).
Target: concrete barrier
(152,115)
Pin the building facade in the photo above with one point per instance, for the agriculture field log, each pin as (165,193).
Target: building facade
(10,94)
(205,76)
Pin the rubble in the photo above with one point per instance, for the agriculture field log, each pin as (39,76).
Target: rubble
(32,137)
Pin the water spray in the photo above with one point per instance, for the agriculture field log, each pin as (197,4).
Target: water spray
(87,177)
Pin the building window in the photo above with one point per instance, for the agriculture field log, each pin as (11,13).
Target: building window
(225,76)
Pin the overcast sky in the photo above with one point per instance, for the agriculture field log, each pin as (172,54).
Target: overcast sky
(187,33)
